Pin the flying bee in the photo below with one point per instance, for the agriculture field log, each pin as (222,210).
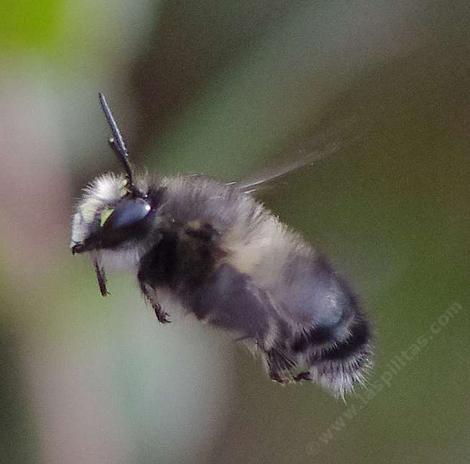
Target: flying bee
(221,255)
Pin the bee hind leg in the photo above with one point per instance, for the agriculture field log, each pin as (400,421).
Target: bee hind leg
(278,366)
(303,376)
(278,377)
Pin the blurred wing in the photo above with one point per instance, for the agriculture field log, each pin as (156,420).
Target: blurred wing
(271,175)
(322,146)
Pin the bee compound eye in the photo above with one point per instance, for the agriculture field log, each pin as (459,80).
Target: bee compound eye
(128,213)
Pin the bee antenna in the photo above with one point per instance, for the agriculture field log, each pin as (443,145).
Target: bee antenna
(116,142)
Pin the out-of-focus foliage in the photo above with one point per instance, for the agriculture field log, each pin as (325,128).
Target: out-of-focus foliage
(226,88)
(29,25)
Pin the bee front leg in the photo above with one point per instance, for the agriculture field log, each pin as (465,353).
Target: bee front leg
(150,294)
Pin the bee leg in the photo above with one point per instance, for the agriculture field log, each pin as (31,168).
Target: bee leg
(303,376)
(162,316)
(101,277)
(277,365)
(150,296)
(278,377)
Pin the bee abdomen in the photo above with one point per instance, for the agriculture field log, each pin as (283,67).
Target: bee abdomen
(336,349)
(343,363)
(317,355)
(357,341)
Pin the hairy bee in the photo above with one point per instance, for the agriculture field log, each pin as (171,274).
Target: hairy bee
(216,251)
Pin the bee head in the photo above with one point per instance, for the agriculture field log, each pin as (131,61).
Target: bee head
(116,211)
(110,216)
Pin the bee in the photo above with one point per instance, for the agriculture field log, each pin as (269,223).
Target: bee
(215,250)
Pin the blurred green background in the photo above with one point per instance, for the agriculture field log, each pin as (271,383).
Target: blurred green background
(229,88)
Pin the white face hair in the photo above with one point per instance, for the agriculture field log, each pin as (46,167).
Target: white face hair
(100,198)
(104,192)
